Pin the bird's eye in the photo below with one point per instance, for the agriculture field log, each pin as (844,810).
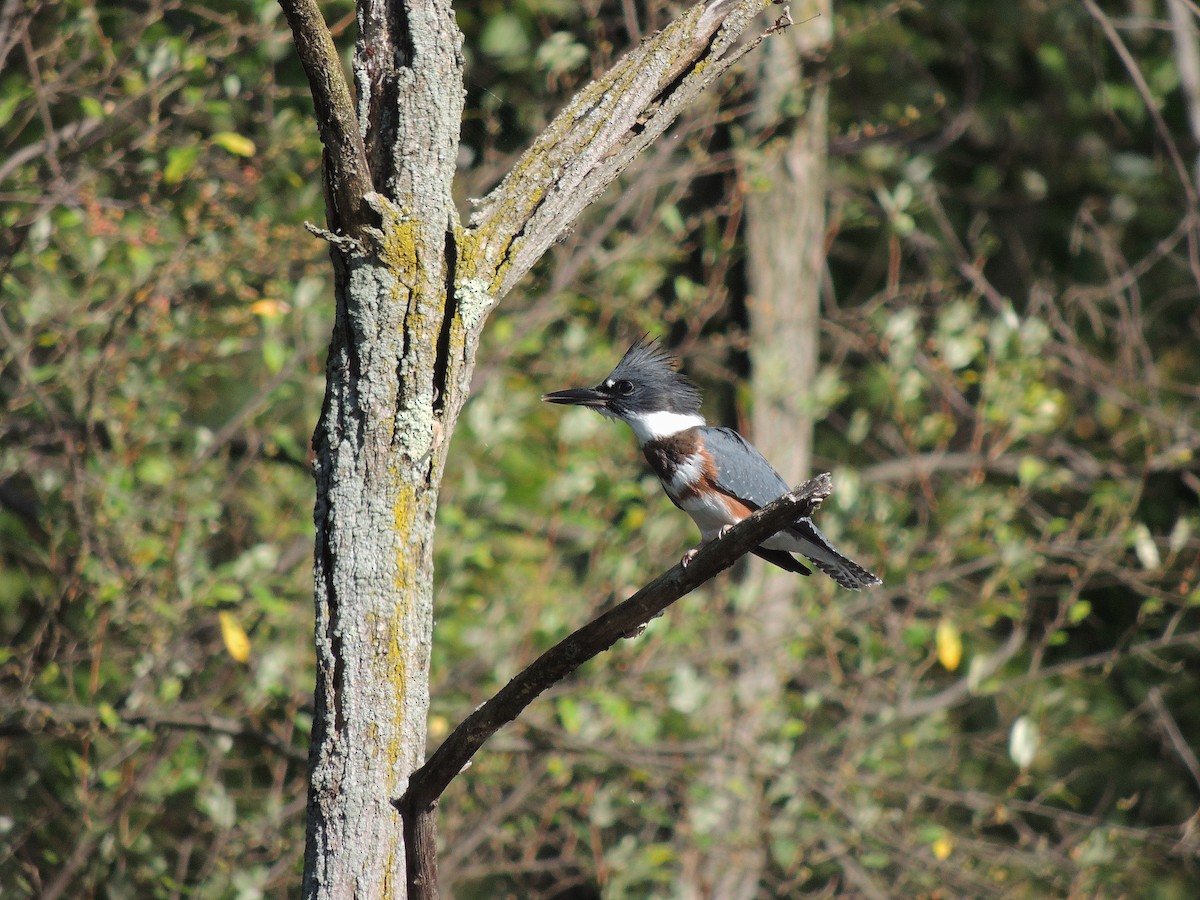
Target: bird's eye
(624,388)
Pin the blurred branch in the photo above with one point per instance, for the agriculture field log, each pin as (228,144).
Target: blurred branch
(988,803)
(1170,727)
(856,874)
(40,94)
(103,825)
(964,687)
(1104,658)
(1084,467)
(419,802)
(21,355)
(32,717)
(72,131)
(1147,95)
(8,39)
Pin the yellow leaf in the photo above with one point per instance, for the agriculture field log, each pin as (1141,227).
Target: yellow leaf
(269,309)
(942,847)
(237,144)
(236,641)
(949,645)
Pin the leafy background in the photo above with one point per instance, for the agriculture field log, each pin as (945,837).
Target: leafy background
(1006,396)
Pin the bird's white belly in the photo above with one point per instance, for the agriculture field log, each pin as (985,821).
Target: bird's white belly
(709,512)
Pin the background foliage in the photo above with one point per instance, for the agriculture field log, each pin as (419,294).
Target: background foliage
(1007,400)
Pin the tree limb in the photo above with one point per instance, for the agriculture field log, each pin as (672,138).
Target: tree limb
(31,717)
(599,133)
(348,178)
(427,784)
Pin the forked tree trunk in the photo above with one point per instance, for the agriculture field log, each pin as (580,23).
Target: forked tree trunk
(378,458)
(413,289)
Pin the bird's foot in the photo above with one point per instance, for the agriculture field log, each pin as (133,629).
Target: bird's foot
(691,554)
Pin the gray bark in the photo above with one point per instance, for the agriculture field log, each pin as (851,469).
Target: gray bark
(413,290)
(378,460)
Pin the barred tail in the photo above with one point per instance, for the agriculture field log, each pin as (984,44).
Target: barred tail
(840,568)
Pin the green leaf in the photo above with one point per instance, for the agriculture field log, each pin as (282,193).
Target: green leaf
(274,355)
(1029,469)
(672,220)
(561,53)
(570,715)
(8,106)
(180,161)
(504,37)
(108,716)
(92,107)
(225,592)
(1080,610)
(156,470)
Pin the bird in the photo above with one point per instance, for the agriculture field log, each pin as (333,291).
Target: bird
(713,474)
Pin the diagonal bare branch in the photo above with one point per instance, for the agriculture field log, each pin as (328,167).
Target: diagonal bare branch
(429,782)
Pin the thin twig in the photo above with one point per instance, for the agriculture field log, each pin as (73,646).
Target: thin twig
(1168,724)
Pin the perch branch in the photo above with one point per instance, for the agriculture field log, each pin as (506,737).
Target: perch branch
(418,805)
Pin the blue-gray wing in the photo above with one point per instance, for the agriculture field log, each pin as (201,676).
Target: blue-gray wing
(742,471)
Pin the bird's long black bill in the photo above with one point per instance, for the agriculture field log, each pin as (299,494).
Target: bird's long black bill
(577,397)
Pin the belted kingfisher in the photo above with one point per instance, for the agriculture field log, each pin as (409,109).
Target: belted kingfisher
(710,473)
